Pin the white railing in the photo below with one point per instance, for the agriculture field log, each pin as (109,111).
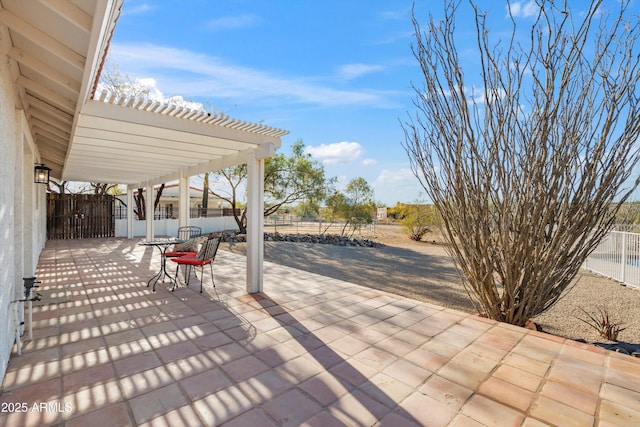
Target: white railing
(617,257)
(169,227)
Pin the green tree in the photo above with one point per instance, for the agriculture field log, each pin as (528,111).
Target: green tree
(306,209)
(356,206)
(337,208)
(292,179)
(287,180)
(528,172)
(417,219)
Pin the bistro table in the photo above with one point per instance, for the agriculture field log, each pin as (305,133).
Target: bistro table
(163,245)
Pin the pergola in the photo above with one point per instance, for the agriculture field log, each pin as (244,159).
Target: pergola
(57,49)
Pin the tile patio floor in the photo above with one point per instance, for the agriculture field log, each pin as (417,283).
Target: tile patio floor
(310,350)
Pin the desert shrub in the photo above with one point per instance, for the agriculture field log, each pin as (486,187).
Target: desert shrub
(417,220)
(603,323)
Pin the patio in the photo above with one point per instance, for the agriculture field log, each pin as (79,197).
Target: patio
(309,350)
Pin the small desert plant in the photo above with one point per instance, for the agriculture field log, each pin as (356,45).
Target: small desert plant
(602,322)
(417,219)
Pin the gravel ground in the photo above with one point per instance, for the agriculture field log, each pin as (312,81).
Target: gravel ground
(424,271)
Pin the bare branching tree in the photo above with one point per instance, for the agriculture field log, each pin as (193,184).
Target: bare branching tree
(528,172)
(115,81)
(104,188)
(141,207)
(60,186)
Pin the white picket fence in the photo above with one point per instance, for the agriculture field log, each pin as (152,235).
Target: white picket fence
(617,257)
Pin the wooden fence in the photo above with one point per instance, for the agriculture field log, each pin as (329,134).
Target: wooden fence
(76,216)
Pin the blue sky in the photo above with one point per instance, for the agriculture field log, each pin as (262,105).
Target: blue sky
(336,74)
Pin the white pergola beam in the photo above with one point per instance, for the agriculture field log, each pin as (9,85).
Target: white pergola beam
(51,154)
(70,13)
(42,39)
(44,107)
(56,140)
(34,113)
(36,123)
(49,95)
(62,129)
(140,143)
(213,165)
(45,70)
(161,126)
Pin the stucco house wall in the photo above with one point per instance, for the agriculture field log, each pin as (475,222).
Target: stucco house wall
(22,209)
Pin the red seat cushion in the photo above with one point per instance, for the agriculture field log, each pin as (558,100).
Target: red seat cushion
(191,260)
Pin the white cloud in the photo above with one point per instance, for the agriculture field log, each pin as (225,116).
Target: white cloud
(196,74)
(233,22)
(477,95)
(369,162)
(135,10)
(150,86)
(396,15)
(482,96)
(395,177)
(352,71)
(339,152)
(523,9)
(397,185)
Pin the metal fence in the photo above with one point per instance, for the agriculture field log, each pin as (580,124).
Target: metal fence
(617,257)
(296,224)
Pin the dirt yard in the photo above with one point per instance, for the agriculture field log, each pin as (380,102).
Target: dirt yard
(425,271)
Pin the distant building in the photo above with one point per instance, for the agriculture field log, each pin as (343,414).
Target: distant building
(168,205)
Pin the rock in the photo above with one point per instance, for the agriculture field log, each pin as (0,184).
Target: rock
(533,326)
(325,239)
(630,349)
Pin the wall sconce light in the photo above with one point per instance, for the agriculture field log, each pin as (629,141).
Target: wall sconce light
(41,174)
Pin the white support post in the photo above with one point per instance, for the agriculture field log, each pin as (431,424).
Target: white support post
(149,210)
(255,223)
(183,200)
(130,213)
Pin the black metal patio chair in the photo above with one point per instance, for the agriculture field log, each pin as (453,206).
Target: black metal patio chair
(190,235)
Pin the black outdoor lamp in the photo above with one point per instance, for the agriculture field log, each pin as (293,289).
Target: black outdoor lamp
(41,174)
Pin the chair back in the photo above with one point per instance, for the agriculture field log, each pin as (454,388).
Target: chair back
(209,249)
(189,232)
